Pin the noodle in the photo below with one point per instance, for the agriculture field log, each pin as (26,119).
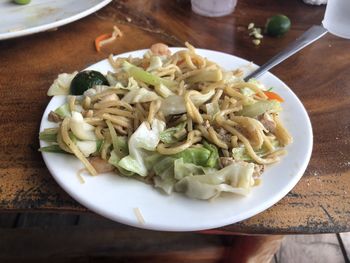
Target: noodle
(86,103)
(191,108)
(106,104)
(153,109)
(71,103)
(215,139)
(98,132)
(115,111)
(74,148)
(192,138)
(196,103)
(119,120)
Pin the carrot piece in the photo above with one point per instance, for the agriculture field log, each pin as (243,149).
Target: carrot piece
(273,96)
(99,39)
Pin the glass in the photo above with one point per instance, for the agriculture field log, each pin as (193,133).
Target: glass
(213,8)
(337,18)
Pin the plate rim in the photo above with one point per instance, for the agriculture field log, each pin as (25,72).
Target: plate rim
(242,216)
(48,26)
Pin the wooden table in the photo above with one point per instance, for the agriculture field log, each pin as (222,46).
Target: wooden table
(319,75)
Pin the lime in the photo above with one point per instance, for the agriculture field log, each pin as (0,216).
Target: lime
(85,80)
(21,2)
(277,25)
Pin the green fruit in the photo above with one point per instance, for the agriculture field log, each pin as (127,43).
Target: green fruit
(21,2)
(85,80)
(277,25)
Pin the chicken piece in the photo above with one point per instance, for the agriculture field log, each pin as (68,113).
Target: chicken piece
(54,117)
(226,161)
(225,136)
(268,122)
(258,170)
(207,124)
(101,166)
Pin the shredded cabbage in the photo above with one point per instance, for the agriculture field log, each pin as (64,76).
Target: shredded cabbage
(167,136)
(81,129)
(61,85)
(235,178)
(175,104)
(63,111)
(142,139)
(155,63)
(182,169)
(260,107)
(212,108)
(140,95)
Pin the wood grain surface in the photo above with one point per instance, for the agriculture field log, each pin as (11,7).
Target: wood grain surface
(319,75)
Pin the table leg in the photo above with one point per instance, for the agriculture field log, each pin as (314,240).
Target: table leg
(253,249)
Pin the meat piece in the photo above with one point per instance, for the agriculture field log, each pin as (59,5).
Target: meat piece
(207,124)
(225,136)
(101,166)
(222,131)
(88,113)
(54,117)
(268,122)
(258,170)
(226,161)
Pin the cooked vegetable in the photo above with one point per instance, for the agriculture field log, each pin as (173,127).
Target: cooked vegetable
(168,135)
(144,76)
(80,128)
(140,95)
(99,39)
(54,148)
(206,75)
(107,38)
(49,135)
(63,111)
(256,42)
(85,80)
(213,160)
(184,124)
(21,2)
(277,25)
(197,156)
(259,108)
(235,178)
(87,147)
(142,139)
(61,85)
(273,96)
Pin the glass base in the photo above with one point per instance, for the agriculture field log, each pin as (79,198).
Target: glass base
(213,8)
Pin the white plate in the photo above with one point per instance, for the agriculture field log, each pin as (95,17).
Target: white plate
(115,197)
(42,15)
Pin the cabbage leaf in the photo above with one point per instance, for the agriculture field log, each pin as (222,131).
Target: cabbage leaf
(142,139)
(167,136)
(61,85)
(140,95)
(236,178)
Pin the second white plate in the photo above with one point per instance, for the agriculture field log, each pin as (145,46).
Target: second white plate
(42,15)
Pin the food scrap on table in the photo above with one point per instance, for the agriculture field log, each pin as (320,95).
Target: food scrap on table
(276,26)
(104,39)
(255,32)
